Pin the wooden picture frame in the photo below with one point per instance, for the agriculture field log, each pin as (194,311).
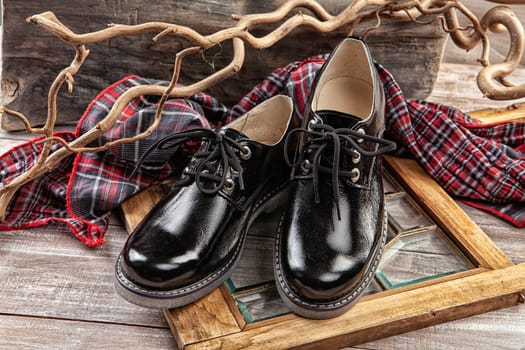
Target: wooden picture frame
(493,282)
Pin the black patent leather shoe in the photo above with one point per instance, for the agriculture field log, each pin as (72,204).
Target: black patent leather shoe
(192,240)
(333,231)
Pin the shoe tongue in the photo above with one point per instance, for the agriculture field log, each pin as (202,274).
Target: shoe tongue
(338,119)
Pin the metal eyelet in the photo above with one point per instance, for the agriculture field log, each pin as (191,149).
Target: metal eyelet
(246,152)
(356,157)
(229,185)
(361,131)
(189,168)
(234,172)
(305,170)
(312,122)
(355,174)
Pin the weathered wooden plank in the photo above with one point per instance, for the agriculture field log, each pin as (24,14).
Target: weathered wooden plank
(21,135)
(502,329)
(6,145)
(20,332)
(512,113)
(32,57)
(204,319)
(378,317)
(456,86)
(46,272)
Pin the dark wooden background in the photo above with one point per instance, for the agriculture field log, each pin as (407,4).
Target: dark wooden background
(31,57)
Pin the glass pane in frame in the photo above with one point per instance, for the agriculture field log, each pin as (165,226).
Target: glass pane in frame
(403,214)
(260,304)
(417,257)
(256,264)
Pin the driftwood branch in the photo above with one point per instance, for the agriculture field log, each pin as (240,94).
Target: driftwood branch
(492,79)
(498,19)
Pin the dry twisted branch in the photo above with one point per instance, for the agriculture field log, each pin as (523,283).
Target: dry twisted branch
(322,21)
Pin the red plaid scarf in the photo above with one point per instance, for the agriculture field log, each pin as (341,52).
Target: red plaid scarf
(480,163)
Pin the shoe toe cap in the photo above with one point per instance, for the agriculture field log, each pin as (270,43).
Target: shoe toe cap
(324,283)
(160,274)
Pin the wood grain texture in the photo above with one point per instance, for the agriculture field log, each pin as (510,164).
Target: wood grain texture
(207,318)
(24,333)
(456,86)
(504,329)
(512,113)
(510,239)
(256,264)
(32,57)
(46,272)
(423,307)
(6,145)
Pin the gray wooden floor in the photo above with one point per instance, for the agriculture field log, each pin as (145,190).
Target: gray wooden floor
(57,294)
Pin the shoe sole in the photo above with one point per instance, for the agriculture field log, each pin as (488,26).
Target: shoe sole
(168,299)
(330,309)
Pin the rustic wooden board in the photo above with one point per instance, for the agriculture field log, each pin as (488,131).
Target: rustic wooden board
(393,314)
(27,332)
(511,113)
(456,86)
(31,58)
(46,272)
(203,319)
(6,145)
(506,327)
(256,264)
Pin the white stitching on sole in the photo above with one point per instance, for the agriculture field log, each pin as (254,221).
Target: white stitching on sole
(292,297)
(135,288)
(132,287)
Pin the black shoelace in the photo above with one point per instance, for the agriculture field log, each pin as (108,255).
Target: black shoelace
(321,138)
(210,164)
